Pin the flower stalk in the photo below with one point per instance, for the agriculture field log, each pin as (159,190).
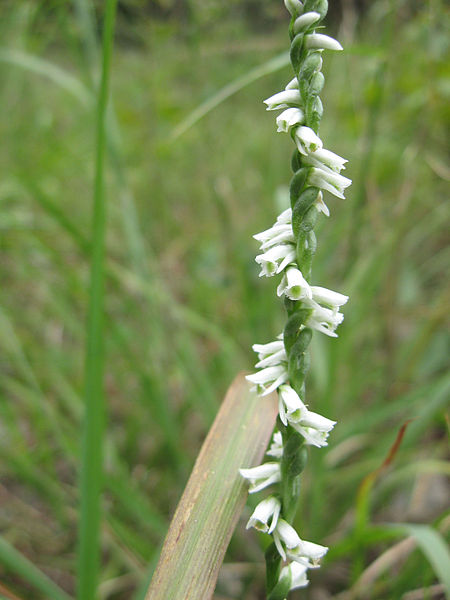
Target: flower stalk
(287,250)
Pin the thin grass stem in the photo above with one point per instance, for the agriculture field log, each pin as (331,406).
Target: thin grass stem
(92,445)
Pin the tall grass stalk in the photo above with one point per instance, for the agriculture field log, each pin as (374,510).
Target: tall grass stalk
(92,455)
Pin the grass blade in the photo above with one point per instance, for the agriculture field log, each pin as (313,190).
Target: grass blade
(92,450)
(214,497)
(270,66)
(435,549)
(17,563)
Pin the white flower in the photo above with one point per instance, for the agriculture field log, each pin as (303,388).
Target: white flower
(262,476)
(267,380)
(289,118)
(264,350)
(293,84)
(283,99)
(294,285)
(284,535)
(314,428)
(327,180)
(290,545)
(290,407)
(271,354)
(322,42)
(297,574)
(278,234)
(323,319)
(321,206)
(295,7)
(285,217)
(307,554)
(304,21)
(328,297)
(306,140)
(276,259)
(326,160)
(267,510)
(276,447)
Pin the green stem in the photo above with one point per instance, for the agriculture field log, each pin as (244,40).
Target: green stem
(92,444)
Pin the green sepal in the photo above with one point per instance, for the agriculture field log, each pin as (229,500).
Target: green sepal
(316,84)
(296,161)
(309,219)
(314,112)
(290,305)
(291,330)
(311,65)
(318,6)
(306,199)
(297,184)
(282,588)
(295,454)
(292,463)
(291,27)
(297,52)
(273,566)
(298,367)
(306,248)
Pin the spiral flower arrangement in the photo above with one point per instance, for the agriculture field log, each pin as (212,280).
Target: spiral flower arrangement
(287,249)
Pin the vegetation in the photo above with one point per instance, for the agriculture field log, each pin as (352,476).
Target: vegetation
(183,298)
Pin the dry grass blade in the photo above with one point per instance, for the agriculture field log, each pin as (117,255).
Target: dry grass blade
(214,497)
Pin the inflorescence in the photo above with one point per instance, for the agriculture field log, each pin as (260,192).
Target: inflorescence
(287,249)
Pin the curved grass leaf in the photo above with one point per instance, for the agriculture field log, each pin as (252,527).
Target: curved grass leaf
(214,497)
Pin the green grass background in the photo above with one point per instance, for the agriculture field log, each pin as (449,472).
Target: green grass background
(183,299)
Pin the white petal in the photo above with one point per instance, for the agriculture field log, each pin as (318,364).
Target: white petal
(283,99)
(306,140)
(321,41)
(293,84)
(289,118)
(295,7)
(328,297)
(304,21)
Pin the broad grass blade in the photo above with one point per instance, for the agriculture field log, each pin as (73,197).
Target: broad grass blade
(214,496)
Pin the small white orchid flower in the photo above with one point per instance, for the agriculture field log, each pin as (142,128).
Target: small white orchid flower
(285,218)
(292,85)
(295,7)
(280,233)
(271,354)
(306,140)
(276,259)
(328,297)
(285,536)
(294,285)
(332,182)
(290,118)
(304,21)
(290,407)
(314,428)
(289,545)
(307,554)
(321,206)
(326,160)
(264,350)
(297,574)
(262,476)
(266,512)
(276,447)
(321,42)
(283,99)
(323,319)
(269,379)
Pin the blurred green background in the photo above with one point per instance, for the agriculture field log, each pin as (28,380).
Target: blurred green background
(184,302)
